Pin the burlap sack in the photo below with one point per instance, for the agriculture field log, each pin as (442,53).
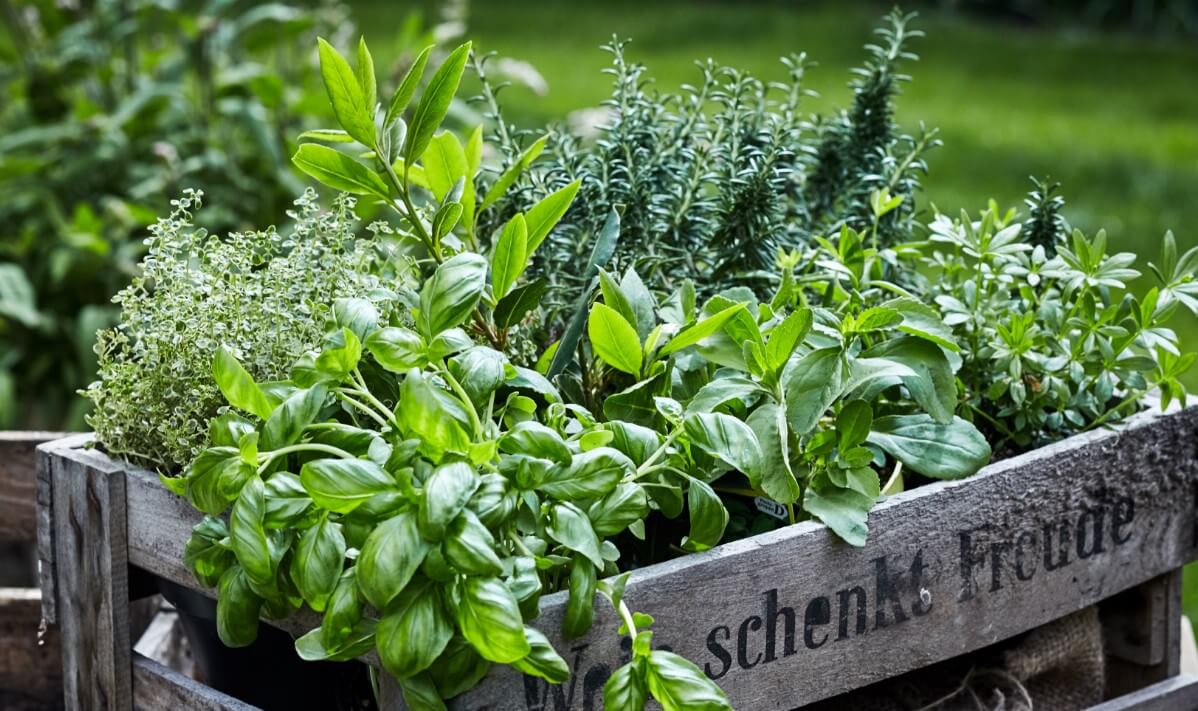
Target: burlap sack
(1058,667)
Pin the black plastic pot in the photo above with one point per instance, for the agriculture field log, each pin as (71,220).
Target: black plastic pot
(268,673)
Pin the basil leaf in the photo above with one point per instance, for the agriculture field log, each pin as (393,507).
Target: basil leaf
(543,660)
(248,535)
(458,669)
(470,547)
(626,688)
(613,513)
(350,107)
(237,386)
(450,295)
(358,315)
(391,555)
(319,558)
(434,104)
(489,618)
(343,611)
(725,438)
(407,86)
(414,631)
(536,440)
(512,308)
(216,478)
(580,605)
(397,349)
(311,646)
(433,416)
(811,384)
(614,339)
(207,554)
(339,171)
(237,609)
(446,492)
(951,451)
(510,257)
(420,694)
(525,584)
(569,526)
(480,371)
(287,422)
(342,485)
(679,685)
(589,475)
(708,517)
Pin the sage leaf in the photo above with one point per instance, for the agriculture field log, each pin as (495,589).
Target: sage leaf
(489,618)
(936,450)
(391,555)
(811,384)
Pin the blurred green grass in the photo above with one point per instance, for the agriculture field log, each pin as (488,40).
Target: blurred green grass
(1113,118)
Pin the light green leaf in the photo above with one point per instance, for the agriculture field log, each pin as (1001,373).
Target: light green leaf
(345,95)
(626,687)
(543,216)
(341,485)
(397,349)
(339,171)
(708,517)
(407,86)
(589,475)
(924,322)
(543,660)
(511,256)
(366,81)
(692,334)
(489,618)
(569,526)
(434,104)
(288,421)
(842,510)
(614,339)
(679,685)
(451,294)
(237,386)
(318,562)
(509,176)
(725,438)
(776,477)
(414,631)
(580,605)
(445,495)
(326,135)
(390,557)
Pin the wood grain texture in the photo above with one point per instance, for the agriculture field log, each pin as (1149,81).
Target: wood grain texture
(1179,693)
(158,688)
(30,663)
(1141,634)
(91,564)
(18,483)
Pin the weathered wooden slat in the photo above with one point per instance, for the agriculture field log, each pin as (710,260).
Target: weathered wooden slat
(1179,693)
(1141,634)
(18,483)
(91,564)
(158,688)
(30,664)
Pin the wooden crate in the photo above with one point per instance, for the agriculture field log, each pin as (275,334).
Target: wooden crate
(780,620)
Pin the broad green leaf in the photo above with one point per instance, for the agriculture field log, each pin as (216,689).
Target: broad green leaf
(853,423)
(237,386)
(215,479)
(420,694)
(206,554)
(692,334)
(237,608)
(614,339)
(623,506)
(936,450)
(414,631)
(340,353)
(512,173)
(679,685)
(536,440)
(569,526)
(933,386)
(725,438)
(434,104)
(345,95)
(543,660)
(811,384)
(446,492)
(358,315)
(580,605)
(458,669)
(489,618)
(589,475)
(785,337)
(341,485)
(511,256)
(286,501)
(708,517)
(391,555)
(432,415)
(444,165)
(480,371)
(397,349)
(626,687)
(343,612)
(364,71)
(407,86)
(288,421)
(248,534)
(644,306)
(545,215)
(339,171)
(319,558)
(924,322)
(722,391)
(470,547)
(775,477)
(450,295)
(518,302)
(615,298)
(842,510)
(359,640)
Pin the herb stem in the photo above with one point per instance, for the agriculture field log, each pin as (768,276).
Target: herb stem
(464,397)
(272,455)
(343,394)
(644,468)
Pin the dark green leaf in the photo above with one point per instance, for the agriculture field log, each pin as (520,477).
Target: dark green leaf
(589,475)
(569,526)
(853,424)
(811,384)
(601,254)
(207,553)
(933,386)
(708,517)
(536,440)
(458,669)
(341,485)
(679,685)
(543,660)
(391,555)
(247,533)
(470,547)
(286,501)
(414,631)
(237,609)
(489,618)
(842,510)
(420,693)
(936,450)
(512,308)
(580,605)
(318,561)
(445,495)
